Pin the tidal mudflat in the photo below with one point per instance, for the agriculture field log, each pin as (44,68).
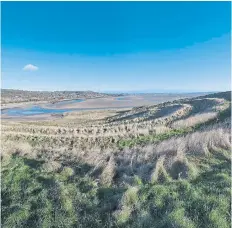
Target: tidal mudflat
(65,106)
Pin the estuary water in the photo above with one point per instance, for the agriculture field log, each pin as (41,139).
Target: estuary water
(33,110)
(50,108)
(37,109)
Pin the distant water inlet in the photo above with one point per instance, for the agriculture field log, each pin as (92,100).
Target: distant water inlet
(34,110)
(37,110)
(66,102)
(51,108)
(122,99)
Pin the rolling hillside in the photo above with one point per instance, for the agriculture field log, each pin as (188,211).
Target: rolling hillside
(165,165)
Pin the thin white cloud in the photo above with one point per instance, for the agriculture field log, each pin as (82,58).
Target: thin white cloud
(30,67)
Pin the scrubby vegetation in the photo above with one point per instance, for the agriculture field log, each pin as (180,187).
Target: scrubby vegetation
(166,165)
(10,95)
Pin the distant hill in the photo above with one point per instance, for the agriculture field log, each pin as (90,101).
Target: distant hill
(11,95)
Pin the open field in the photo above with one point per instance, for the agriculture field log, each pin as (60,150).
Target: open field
(160,165)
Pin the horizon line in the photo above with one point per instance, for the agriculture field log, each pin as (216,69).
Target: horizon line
(150,91)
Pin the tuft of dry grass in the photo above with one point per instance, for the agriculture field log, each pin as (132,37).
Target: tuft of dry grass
(51,166)
(108,172)
(159,174)
(21,148)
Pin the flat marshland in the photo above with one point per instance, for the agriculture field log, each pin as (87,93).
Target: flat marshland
(162,165)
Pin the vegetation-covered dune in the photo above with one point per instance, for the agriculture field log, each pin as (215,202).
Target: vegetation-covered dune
(165,165)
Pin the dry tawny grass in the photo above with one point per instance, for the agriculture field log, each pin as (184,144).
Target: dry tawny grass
(108,172)
(193,120)
(11,147)
(153,162)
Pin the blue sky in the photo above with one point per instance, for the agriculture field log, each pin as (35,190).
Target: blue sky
(116,46)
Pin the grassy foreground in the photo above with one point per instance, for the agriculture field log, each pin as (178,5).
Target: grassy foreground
(32,197)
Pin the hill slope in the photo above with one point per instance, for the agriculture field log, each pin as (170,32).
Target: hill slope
(165,165)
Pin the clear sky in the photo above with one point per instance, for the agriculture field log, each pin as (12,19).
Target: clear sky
(116,46)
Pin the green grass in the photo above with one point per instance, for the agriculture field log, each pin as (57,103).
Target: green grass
(201,202)
(32,197)
(143,140)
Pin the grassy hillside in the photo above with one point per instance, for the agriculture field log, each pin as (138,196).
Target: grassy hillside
(165,165)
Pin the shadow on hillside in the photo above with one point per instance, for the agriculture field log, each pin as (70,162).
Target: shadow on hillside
(200,106)
(203,105)
(222,95)
(218,176)
(164,112)
(71,196)
(35,164)
(130,115)
(147,114)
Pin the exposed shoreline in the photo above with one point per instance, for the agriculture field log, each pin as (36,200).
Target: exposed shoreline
(91,104)
(47,117)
